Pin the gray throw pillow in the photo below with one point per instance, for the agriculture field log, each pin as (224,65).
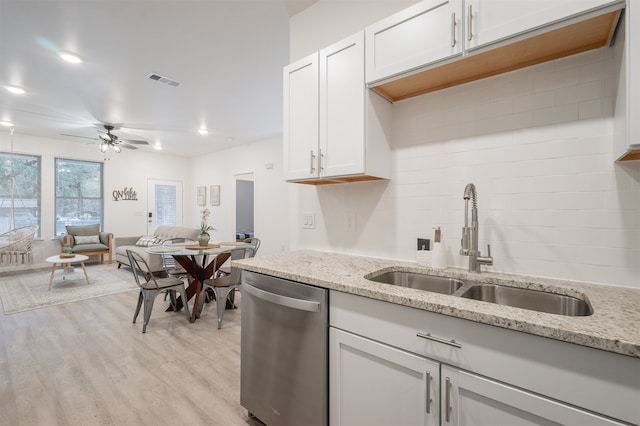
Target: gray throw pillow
(87,239)
(83,230)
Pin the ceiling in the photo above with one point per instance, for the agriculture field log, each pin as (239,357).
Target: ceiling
(227,55)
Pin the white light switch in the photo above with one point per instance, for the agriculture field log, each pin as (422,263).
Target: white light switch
(350,222)
(308,220)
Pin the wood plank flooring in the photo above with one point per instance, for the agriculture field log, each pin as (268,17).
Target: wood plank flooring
(85,363)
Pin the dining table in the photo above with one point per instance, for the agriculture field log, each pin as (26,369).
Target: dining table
(200,262)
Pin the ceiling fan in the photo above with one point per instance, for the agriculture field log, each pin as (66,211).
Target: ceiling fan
(109,140)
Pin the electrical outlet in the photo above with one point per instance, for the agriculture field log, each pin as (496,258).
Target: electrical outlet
(308,220)
(350,222)
(424,244)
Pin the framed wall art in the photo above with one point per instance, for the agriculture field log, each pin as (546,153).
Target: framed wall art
(202,195)
(214,195)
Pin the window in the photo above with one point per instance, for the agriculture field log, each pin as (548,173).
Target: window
(79,198)
(19,191)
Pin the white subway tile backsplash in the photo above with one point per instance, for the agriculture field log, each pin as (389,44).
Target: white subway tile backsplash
(579,93)
(537,143)
(556,114)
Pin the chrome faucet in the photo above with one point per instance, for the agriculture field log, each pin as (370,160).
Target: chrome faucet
(470,234)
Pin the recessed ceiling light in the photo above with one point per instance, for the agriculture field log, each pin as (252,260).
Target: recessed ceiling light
(70,57)
(6,123)
(157,146)
(15,89)
(203,131)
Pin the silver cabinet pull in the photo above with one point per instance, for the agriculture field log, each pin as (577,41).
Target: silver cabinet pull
(453,29)
(311,168)
(470,24)
(447,415)
(428,336)
(320,160)
(428,392)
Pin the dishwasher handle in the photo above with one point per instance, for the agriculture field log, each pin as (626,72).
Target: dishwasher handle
(278,299)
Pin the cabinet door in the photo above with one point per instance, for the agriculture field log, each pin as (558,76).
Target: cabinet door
(300,125)
(489,21)
(342,87)
(471,400)
(427,32)
(375,384)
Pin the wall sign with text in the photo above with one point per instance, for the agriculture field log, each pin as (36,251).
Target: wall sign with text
(127,194)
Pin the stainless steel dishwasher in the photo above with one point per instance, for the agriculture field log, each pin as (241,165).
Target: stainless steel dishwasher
(284,351)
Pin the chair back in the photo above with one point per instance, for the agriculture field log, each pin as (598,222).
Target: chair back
(236,254)
(254,245)
(141,269)
(168,261)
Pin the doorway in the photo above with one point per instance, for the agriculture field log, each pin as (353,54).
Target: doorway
(244,206)
(164,204)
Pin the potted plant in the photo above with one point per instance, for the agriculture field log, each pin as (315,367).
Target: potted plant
(204,237)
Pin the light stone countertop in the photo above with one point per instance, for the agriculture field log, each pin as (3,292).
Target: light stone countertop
(614,325)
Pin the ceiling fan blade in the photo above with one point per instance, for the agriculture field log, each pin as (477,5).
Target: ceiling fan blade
(78,136)
(134,142)
(127,146)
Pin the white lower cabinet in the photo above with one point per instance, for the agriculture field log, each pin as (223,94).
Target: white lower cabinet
(394,365)
(472,400)
(376,384)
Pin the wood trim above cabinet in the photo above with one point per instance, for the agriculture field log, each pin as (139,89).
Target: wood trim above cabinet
(578,37)
(631,155)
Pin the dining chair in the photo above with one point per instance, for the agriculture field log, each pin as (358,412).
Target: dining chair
(254,244)
(171,267)
(223,285)
(151,287)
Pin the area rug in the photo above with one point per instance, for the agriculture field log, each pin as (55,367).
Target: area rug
(29,290)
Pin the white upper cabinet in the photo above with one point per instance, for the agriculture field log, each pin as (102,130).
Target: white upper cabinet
(489,21)
(300,126)
(342,91)
(334,127)
(627,111)
(437,44)
(425,33)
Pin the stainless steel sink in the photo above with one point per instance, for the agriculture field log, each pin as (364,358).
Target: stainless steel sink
(529,299)
(425,282)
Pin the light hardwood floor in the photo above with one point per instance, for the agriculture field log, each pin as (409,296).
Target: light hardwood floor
(85,363)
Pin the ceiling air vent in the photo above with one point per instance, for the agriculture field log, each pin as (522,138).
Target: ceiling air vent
(162,79)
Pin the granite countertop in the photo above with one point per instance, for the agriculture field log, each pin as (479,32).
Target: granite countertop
(614,325)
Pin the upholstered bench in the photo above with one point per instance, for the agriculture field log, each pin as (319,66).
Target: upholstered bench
(89,241)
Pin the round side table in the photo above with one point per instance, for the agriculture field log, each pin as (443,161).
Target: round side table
(57,260)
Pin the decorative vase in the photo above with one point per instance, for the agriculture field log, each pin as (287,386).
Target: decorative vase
(203,239)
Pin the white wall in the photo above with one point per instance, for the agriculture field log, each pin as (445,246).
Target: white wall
(129,169)
(536,142)
(271,201)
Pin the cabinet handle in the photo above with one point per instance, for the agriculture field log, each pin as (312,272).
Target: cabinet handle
(311,168)
(320,162)
(428,336)
(447,397)
(470,24)
(453,29)
(428,392)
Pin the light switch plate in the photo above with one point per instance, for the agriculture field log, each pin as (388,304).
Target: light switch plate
(350,222)
(308,220)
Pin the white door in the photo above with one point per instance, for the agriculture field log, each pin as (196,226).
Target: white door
(425,33)
(375,384)
(164,204)
(471,400)
(342,105)
(300,123)
(495,20)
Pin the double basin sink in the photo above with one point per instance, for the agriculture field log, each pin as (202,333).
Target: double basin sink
(524,298)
